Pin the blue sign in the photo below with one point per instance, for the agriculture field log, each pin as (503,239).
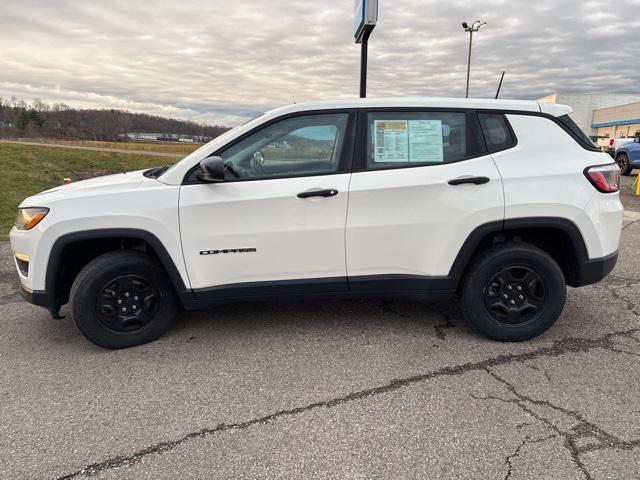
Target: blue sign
(365,16)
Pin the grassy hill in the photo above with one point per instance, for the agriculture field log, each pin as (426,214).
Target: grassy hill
(25,170)
(155,147)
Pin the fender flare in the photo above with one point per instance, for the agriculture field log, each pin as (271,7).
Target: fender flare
(138,234)
(622,150)
(468,248)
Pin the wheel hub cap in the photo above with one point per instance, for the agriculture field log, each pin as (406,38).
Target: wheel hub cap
(127,303)
(514,295)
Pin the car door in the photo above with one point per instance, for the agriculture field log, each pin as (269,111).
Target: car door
(634,151)
(276,224)
(422,182)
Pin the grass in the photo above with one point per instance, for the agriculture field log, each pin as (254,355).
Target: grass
(26,170)
(161,147)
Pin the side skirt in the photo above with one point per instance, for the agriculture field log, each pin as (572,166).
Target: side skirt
(426,289)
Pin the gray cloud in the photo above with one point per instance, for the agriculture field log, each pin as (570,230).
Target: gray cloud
(224,61)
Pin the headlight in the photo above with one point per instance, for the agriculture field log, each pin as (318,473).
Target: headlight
(29,217)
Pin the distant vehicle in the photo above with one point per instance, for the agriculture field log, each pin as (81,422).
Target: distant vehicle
(627,155)
(618,142)
(602,142)
(415,198)
(609,145)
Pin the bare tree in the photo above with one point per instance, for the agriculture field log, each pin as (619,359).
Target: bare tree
(61,121)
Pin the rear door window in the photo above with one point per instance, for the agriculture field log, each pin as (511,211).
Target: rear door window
(413,138)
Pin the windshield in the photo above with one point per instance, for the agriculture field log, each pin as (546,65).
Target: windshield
(218,138)
(160,171)
(250,120)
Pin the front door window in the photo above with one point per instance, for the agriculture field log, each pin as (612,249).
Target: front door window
(295,147)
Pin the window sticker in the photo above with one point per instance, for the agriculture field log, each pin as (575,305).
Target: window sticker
(390,141)
(425,141)
(408,141)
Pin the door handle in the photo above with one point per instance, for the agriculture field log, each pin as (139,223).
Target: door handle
(328,192)
(473,180)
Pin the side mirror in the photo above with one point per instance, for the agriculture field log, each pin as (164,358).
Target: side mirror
(211,170)
(258,157)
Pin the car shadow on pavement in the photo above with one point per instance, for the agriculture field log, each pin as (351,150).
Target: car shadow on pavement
(333,317)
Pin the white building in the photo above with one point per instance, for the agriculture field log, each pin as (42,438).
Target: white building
(584,105)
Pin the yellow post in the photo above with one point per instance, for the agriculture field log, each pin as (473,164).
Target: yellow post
(638,185)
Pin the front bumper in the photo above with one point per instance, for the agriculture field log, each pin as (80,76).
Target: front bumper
(40,298)
(590,271)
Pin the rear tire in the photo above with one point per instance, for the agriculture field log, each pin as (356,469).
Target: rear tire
(623,162)
(513,292)
(122,299)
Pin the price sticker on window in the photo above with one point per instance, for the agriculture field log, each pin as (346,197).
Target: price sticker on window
(425,141)
(408,141)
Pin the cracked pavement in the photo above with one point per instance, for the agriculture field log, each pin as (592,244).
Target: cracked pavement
(329,389)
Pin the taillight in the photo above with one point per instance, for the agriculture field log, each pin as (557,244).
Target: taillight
(611,142)
(606,178)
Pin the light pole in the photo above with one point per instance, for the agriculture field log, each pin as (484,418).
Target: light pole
(474,27)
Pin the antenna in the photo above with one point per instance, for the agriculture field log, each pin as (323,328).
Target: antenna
(293,95)
(500,84)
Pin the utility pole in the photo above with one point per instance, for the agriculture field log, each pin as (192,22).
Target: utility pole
(474,27)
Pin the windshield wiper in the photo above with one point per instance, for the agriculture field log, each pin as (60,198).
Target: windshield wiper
(155,172)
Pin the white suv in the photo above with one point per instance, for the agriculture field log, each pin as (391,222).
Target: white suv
(503,202)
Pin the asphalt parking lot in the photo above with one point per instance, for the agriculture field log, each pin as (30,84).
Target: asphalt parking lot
(348,389)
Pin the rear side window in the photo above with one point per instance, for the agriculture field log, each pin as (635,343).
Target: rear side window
(576,132)
(405,139)
(496,132)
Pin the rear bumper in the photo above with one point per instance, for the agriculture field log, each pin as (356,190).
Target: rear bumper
(593,270)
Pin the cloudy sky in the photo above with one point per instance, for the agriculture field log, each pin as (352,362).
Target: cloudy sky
(222,61)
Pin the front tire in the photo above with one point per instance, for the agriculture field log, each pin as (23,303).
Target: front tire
(122,299)
(623,162)
(513,292)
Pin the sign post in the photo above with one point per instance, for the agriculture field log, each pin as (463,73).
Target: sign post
(366,16)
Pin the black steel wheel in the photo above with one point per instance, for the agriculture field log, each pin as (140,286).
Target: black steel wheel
(514,295)
(122,299)
(127,303)
(513,291)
